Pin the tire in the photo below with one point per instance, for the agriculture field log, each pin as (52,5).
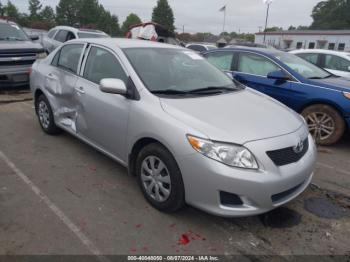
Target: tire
(175,200)
(325,124)
(45,116)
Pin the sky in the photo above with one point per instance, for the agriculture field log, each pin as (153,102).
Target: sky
(204,16)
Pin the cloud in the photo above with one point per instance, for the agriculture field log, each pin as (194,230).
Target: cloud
(204,15)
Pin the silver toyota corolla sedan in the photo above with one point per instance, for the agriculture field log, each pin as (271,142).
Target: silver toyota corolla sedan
(188,132)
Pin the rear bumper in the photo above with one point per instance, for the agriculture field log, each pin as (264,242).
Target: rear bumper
(14,76)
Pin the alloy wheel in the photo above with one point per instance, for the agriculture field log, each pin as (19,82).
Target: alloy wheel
(321,125)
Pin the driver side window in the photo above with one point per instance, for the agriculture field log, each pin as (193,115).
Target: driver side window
(102,64)
(256,65)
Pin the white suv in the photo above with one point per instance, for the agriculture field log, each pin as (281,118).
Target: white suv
(335,62)
(61,34)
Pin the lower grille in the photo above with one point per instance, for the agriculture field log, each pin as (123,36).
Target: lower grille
(280,196)
(288,155)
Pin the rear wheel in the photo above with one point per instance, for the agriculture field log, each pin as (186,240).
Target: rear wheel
(325,124)
(160,178)
(45,116)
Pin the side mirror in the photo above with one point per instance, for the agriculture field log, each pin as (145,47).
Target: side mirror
(278,75)
(34,37)
(113,86)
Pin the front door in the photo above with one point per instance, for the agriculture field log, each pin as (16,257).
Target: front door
(102,118)
(252,70)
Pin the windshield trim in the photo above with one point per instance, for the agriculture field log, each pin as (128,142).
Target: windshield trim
(237,86)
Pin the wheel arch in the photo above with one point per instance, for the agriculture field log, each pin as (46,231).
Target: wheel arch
(321,102)
(137,147)
(37,94)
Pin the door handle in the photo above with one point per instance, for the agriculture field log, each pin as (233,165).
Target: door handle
(80,90)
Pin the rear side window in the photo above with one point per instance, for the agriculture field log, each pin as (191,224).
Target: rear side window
(337,63)
(197,48)
(51,33)
(102,64)
(69,57)
(61,36)
(221,60)
(256,65)
(312,58)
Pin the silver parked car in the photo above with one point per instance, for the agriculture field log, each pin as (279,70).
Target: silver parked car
(182,127)
(61,34)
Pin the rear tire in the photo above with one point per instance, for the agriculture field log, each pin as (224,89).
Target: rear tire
(45,116)
(325,123)
(160,178)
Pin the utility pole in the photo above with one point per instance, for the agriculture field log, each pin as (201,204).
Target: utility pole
(183,29)
(268,3)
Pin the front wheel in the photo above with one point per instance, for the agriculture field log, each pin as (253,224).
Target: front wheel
(160,178)
(325,124)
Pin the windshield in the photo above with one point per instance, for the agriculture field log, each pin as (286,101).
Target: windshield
(12,32)
(91,35)
(302,67)
(177,71)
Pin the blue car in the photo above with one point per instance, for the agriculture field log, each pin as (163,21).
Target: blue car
(322,98)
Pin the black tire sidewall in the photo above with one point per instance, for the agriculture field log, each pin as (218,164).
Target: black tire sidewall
(176,199)
(335,115)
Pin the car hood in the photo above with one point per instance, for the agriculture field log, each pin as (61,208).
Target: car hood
(19,46)
(238,117)
(336,83)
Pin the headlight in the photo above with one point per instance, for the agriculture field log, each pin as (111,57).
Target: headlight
(347,95)
(232,155)
(41,55)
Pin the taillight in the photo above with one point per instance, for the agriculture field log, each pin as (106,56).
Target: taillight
(30,70)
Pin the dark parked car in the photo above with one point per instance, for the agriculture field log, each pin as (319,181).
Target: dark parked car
(17,54)
(322,98)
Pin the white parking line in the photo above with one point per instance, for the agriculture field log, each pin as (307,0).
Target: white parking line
(56,210)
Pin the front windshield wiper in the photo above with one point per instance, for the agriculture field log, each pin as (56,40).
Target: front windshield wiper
(212,90)
(169,92)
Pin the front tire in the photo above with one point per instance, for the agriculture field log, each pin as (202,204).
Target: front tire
(325,123)
(45,116)
(160,178)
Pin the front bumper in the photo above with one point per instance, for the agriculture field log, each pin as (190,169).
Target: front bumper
(14,76)
(204,179)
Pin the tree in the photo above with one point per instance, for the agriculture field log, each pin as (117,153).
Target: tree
(89,12)
(34,9)
(291,28)
(2,9)
(331,14)
(163,15)
(132,19)
(11,11)
(48,17)
(67,12)
(273,29)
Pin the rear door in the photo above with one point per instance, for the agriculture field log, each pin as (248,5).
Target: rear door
(60,82)
(252,70)
(337,65)
(102,118)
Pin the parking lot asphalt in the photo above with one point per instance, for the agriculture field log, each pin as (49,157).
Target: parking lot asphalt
(60,196)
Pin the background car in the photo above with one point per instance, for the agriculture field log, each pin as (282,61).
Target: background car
(61,34)
(200,47)
(17,53)
(322,98)
(335,62)
(185,130)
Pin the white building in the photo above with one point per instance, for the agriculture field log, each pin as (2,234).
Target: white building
(309,39)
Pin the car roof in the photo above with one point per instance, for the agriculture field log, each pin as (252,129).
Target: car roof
(263,51)
(321,51)
(77,30)
(125,43)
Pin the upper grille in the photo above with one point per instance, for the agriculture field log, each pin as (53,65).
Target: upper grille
(287,155)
